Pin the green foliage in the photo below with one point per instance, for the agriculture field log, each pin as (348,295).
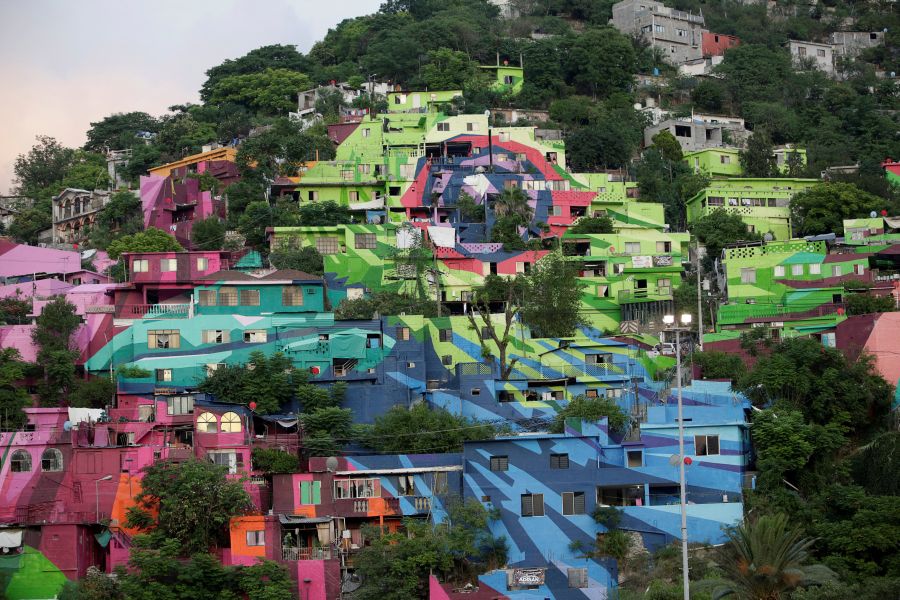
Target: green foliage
(384,304)
(552,303)
(241,194)
(39,172)
(323,214)
(306,259)
(208,234)
(421,429)
(718,229)
(602,224)
(13,397)
(14,310)
(866,303)
(96,392)
(448,69)
(52,336)
(823,208)
(96,585)
(874,466)
(195,502)
(670,183)
(767,559)
(30,222)
(132,372)
(758,159)
(119,131)
(719,365)
(668,146)
(874,588)
(592,410)
(469,210)
(614,543)
(183,133)
(601,61)
(267,381)
(280,149)
(271,460)
(87,171)
(396,566)
(608,516)
(275,56)
(121,216)
(149,240)
(270,92)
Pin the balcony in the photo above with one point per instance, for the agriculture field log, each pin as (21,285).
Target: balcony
(155,311)
(578,371)
(288,553)
(659,293)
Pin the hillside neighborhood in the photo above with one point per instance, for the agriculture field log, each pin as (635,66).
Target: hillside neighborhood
(473,300)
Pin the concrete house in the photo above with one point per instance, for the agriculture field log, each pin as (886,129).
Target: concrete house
(677,33)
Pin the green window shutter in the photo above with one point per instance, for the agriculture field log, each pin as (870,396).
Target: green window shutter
(316,492)
(304,492)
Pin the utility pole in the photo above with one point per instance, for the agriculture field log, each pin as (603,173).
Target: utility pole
(699,302)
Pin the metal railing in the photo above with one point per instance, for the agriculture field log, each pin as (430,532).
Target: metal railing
(159,311)
(288,553)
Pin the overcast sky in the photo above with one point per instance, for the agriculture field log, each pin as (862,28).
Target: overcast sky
(65,63)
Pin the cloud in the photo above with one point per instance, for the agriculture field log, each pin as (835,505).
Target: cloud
(66,64)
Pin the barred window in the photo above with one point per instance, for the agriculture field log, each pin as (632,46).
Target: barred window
(445,335)
(51,460)
(499,463)
(573,503)
(228,297)
(249,297)
(20,462)
(164,374)
(292,296)
(327,245)
(532,505)
(163,338)
(207,297)
(578,578)
(366,241)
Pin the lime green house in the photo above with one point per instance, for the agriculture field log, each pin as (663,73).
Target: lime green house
(715,162)
(506,78)
(763,204)
(420,101)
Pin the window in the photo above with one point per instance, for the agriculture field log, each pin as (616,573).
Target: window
(354,196)
(202,264)
(327,245)
(373,340)
(439,483)
(559,461)
(779,271)
(140,266)
(634,458)
(632,247)
(163,338)
(725,160)
(167,265)
(748,275)
(572,503)
(403,333)
(180,405)
(821,53)
(715,201)
(20,462)
(475,392)
(859,269)
(216,336)
(256,538)
(206,423)
(366,241)
(312,196)
(445,335)
(663,247)
(249,297)
(406,485)
(292,296)
(231,423)
(815,269)
(444,126)
(228,297)
(505,396)
(164,374)
(557,211)
(578,578)
(796,269)
(255,336)
(51,460)
(207,297)
(836,270)
(346,174)
(310,492)
(801,51)
(446,360)
(664,286)
(357,488)
(659,28)
(706,445)
(213,367)
(499,463)
(532,505)
(632,495)
(225,458)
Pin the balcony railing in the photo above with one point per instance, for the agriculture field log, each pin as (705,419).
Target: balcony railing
(157,311)
(576,371)
(288,553)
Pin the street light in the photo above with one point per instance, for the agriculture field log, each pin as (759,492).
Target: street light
(684,325)
(97,492)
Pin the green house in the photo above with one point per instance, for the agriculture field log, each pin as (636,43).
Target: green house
(715,162)
(506,78)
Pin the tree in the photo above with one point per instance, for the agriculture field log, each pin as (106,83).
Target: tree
(605,145)
(591,409)
(272,460)
(275,56)
(383,304)
(121,216)
(324,214)
(96,585)
(52,336)
(497,290)
(421,429)
(448,69)
(396,565)
(96,392)
(601,224)
(30,222)
(119,131)
(208,234)
(326,426)
(823,208)
(267,381)
(14,310)
(468,209)
(40,171)
(86,171)
(767,560)
(718,229)
(329,104)
(281,149)
(194,502)
(601,60)
(514,202)
(149,240)
(13,397)
(668,146)
(719,365)
(758,159)
(874,466)
(306,259)
(271,92)
(552,302)
(867,303)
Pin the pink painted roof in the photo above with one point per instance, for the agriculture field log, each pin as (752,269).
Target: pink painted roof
(882,344)
(19,337)
(41,287)
(21,259)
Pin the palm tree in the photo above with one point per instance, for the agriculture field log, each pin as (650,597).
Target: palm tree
(765,561)
(514,202)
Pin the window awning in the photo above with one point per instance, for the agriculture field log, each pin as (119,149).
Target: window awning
(292,520)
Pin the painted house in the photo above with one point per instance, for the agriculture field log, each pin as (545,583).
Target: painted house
(763,204)
(715,44)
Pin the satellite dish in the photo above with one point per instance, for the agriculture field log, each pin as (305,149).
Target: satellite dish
(673,460)
(768,237)
(67,426)
(873,214)
(487,113)
(637,106)
(331,464)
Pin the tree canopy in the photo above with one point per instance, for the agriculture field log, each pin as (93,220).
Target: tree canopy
(148,240)
(823,208)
